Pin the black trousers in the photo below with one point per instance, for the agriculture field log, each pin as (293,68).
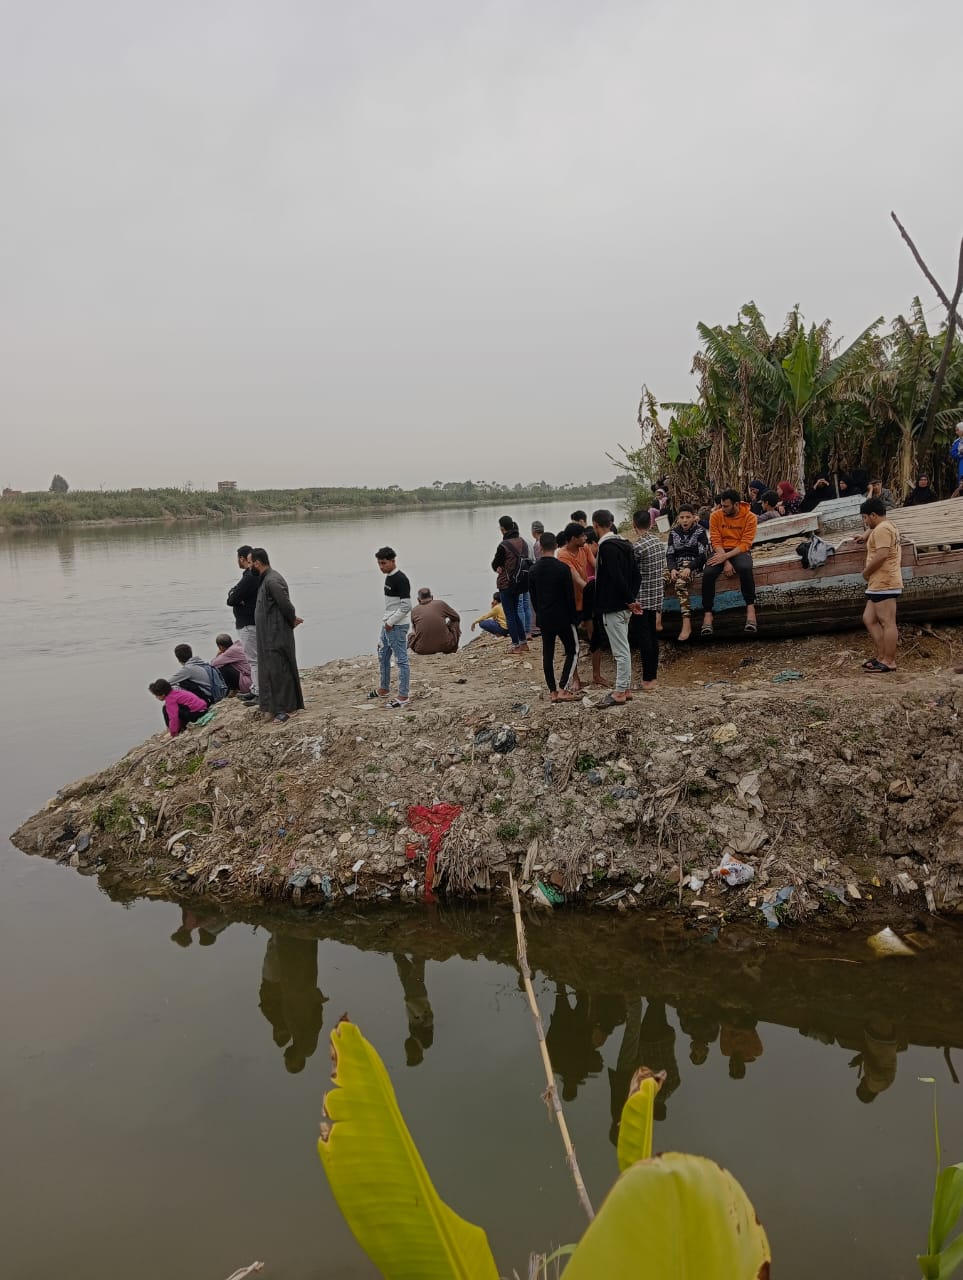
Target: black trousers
(231,675)
(569,640)
(742,563)
(648,642)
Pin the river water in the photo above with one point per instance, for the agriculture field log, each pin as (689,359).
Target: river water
(161,1074)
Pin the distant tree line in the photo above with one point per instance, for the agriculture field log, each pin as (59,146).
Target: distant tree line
(59,507)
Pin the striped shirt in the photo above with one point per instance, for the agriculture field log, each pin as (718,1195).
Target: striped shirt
(650,557)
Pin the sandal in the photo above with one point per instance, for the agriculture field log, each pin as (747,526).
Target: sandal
(611,701)
(750,628)
(879,668)
(397,703)
(870,664)
(376,693)
(706,633)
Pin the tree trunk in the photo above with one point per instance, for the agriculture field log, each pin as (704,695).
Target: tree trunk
(926,442)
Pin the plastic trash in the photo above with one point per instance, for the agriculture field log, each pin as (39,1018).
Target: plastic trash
(546,895)
(768,907)
(888,943)
(724,732)
(504,740)
(732,872)
(784,677)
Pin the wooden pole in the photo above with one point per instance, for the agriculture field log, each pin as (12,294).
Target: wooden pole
(551,1092)
(926,441)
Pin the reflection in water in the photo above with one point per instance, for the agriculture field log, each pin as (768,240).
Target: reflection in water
(289,997)
(877,1062)
(739,1042)
(701,1025)
(207,926)
(421,1020)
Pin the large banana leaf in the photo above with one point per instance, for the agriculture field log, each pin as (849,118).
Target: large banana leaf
(638,1118)
(380,1182)
(674,1217)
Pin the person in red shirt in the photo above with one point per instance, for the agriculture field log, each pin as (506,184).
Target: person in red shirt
(732,531)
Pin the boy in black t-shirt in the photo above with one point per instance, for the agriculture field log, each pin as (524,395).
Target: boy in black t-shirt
(394,628)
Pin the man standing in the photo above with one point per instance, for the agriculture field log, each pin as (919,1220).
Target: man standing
(394,628)
(279,685)
(537,530)
(242,598)
(616,588)
(732,531)
(650,558)
(956,453)
(435,626)
(553,596)
(509,563)
(884,585)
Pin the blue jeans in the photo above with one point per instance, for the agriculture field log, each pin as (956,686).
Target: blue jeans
(395,642)
(510,603)
(492,627)
(525,613)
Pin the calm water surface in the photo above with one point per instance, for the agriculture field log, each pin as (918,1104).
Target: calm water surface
(161,1075)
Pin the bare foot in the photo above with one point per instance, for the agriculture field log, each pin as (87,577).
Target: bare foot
(600,683)
(686,632)
(648,685)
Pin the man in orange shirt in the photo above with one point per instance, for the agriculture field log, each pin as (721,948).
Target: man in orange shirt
(732,530)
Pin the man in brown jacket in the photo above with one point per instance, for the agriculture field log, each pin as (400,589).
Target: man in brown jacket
(435,626)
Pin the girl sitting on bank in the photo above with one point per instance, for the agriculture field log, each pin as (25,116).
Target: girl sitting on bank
(181,707)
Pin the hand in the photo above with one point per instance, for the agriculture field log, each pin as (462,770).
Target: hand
(298,621)
(865,576)
(729,571)
(717,557)
(387,626)
(673,575)
(635,607)
(474,625)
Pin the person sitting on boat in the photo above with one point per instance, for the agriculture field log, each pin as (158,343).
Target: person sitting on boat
(770,507)
(877,490)
(921,494)
(819,491)
(732,530)
(233,664)
(181,707)
(686,554)
(789,499)
(756,490)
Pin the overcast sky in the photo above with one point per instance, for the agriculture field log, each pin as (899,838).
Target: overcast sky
(370,242)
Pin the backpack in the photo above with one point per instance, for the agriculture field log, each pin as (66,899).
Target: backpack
(218,684)
(815,551)
(524,564)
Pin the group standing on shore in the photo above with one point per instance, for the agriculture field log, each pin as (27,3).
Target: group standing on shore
(587,581)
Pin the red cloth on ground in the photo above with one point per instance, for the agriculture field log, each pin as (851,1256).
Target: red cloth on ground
(432,821)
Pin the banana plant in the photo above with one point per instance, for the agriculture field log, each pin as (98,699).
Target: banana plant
(942,1259)
(667,1215)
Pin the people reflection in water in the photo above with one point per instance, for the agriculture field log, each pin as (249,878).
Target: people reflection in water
(208,927)
(701,1025)
(647,1041)
(289,997)
(572,1041)
(877,1062)
(739,1041)
(421,1020)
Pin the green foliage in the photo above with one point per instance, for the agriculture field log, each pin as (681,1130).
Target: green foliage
(783,405)
(58,507)
(942,1259)
(114,816)
(508,830)
(58,484)
(671,1215)
(199,816)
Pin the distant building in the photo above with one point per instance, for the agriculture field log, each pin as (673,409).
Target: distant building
(12,493)
(137,489)
(226,486)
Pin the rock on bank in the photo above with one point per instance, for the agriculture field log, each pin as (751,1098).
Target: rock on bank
(844,791)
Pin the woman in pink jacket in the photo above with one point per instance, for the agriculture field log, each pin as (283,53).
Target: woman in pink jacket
(181,707)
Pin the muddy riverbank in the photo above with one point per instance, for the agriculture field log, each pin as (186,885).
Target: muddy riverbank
(839,793)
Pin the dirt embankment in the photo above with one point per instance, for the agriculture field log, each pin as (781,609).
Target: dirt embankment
(841,787)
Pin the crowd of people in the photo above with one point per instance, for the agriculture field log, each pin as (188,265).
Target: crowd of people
(586,584)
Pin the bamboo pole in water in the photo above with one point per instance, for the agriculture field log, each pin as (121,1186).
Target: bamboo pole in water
(551,1092)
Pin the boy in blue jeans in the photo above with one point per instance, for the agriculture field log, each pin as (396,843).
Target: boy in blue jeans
(394,628)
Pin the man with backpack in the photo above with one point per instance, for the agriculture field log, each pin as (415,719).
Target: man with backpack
(512,565)
(617,581)
(197,676)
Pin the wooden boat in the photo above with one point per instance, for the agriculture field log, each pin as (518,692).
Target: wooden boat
(792,600)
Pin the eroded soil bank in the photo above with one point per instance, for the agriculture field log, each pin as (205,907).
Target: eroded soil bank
(840,787)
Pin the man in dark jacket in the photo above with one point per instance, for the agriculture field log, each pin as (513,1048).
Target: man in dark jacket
(509,554)
(686,556)
(243,600)
(553,597)
(616,589)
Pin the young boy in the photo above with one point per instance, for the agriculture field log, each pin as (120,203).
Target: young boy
(686,555)
(494,621)
(394,628)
